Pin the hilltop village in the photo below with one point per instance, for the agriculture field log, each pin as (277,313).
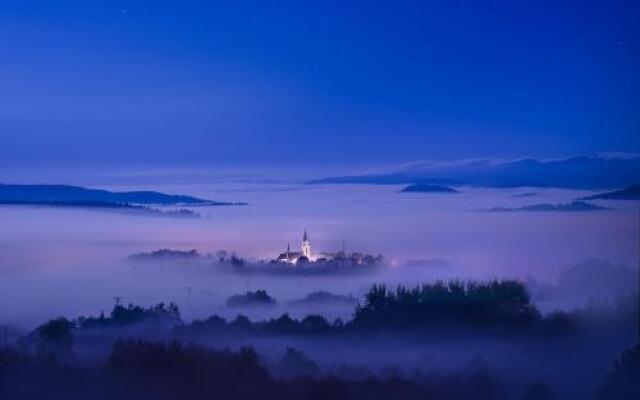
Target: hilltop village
(306,258)
(302,261)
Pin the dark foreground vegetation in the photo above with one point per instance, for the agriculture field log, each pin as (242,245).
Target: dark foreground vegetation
(623,379)
(150,353)
(137,369)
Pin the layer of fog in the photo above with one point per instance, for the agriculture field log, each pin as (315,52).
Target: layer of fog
(73,261)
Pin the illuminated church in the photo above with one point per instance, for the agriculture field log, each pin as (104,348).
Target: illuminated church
(305,258)
(304,255)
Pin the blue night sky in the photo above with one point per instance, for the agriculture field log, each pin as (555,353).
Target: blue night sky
(314,83)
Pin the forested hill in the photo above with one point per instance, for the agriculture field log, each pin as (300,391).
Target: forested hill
(65,194)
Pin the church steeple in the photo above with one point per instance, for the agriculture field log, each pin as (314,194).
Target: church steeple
(306,245)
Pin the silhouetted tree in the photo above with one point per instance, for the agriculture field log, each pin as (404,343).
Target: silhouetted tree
(257,298)
(121,316)
(315,324)
(174,370)
(55,338)
(295,363)
(496,303)
(623,381)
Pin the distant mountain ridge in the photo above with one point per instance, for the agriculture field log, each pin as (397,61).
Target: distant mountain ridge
(629,193)
(76,195)
(426,188)
(602,170)
(574,206)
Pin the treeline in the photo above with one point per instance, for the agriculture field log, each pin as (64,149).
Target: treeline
(137,369)
(496,303)
(132,314)
(140,370)
(496,307)
(241,325)
(58,336)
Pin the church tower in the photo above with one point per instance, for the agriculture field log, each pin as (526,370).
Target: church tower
(306,246)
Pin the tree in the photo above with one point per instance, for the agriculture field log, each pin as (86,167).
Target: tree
(623,381)
(55,338)
(295,363)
